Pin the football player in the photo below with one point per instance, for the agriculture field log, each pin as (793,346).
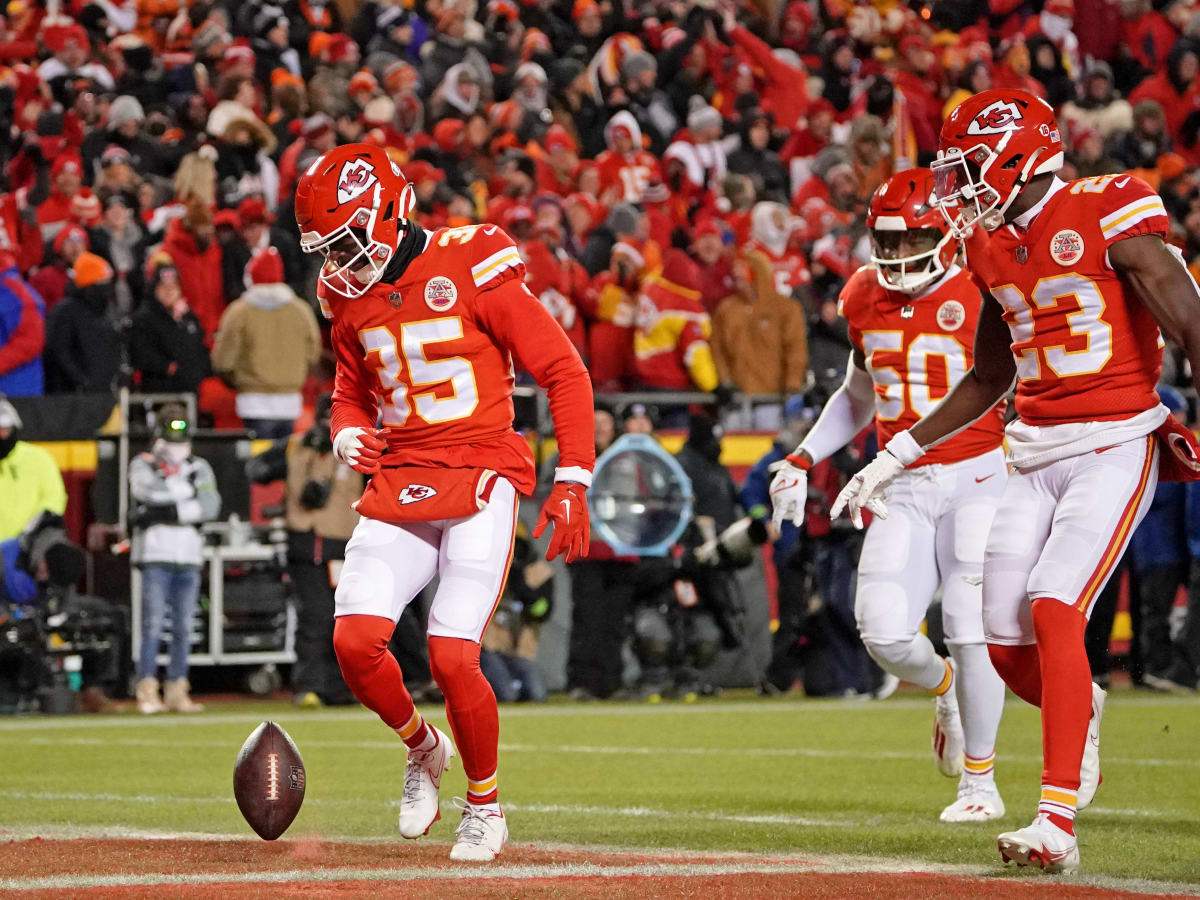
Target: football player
(1076,281)
(911,314)
(425,329)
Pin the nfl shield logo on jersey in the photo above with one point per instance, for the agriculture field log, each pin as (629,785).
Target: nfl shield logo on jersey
(1022,254)
(440,293)
(1066,247)
(395,300)
(951,315)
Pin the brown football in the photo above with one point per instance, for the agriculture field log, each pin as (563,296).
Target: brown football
(268,780)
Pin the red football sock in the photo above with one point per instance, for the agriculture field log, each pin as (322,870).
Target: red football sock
(1020,668)
(372,673)
(471,706)
(1066,701)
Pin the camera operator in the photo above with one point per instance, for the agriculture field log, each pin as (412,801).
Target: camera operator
(320,520)
(511,640)
(171,492)
(38,572)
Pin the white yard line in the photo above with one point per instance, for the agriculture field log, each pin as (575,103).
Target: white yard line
(288,715)
(585,749)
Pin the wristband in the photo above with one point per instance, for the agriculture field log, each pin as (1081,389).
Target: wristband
(575,474)
(799,461)
(906,450)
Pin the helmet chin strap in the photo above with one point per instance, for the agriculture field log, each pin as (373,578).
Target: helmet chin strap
(1020,185)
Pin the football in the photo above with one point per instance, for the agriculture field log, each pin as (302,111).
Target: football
(268,781)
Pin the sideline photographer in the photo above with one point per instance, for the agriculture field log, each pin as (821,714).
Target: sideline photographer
(320,520)
(511,640)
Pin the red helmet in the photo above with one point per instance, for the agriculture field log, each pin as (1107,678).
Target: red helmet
(912,243)
(990,147)
(352,206)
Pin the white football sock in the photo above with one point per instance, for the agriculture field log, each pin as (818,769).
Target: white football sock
(980,694)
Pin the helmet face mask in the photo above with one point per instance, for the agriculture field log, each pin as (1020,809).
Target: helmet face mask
(352,206)
(912,245)
(907,260)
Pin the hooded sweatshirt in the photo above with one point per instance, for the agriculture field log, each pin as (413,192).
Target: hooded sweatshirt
(760,342)
(626,175)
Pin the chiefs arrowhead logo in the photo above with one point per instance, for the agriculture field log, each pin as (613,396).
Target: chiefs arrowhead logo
(415,493)
(356,179)
(996,118)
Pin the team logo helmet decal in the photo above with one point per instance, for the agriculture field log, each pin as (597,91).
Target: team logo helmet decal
(356,178)
(996,118)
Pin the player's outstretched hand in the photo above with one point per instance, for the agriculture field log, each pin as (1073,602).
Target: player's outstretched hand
(789,493)
(865,490)
(360,448)
(567,508)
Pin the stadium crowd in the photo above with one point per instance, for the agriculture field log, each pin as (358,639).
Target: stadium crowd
(687,179)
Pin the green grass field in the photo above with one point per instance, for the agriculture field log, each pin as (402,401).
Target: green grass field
(740,773)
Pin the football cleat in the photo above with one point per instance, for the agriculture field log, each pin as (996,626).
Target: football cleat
(1042,844)
(422,778)
(947,733)
(975,803)
(480,835)
(1089,768)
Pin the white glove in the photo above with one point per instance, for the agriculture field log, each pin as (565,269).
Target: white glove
(359,448)
(789,493)
(865,489)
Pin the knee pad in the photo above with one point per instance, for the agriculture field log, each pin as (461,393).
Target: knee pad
(881,610)
(360,643)
(888,653)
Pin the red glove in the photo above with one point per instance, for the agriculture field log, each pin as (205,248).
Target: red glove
(567,508)
(360,448)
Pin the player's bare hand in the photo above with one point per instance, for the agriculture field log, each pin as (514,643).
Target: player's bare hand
(865,490)
(789,494)
(360,448)
(567,509)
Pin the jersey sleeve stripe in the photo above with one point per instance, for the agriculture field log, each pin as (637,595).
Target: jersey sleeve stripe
(485,271)
(1130,214)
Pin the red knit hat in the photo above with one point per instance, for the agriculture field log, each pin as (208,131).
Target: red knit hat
(265,267)
(66,162)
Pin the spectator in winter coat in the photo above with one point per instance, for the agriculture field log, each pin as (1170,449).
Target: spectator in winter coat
(267,342)
(695,165)
(120,239)
(573,106)
(83,345)
(122,128)
(773,233)
(755,158)
(256,231)
(1097,104)
(50,279)
(759,340)
(22,333)
(56,211)
(1141,147)
(785,93)
(671,330)
(191,242)
(711,253)
(559,160)
(166,342)
(649,105)
(1176,88)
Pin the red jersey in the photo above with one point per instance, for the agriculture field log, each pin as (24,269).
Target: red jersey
(628,174)
(1085,349)
(789,269)
(435,350)
(916,349)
